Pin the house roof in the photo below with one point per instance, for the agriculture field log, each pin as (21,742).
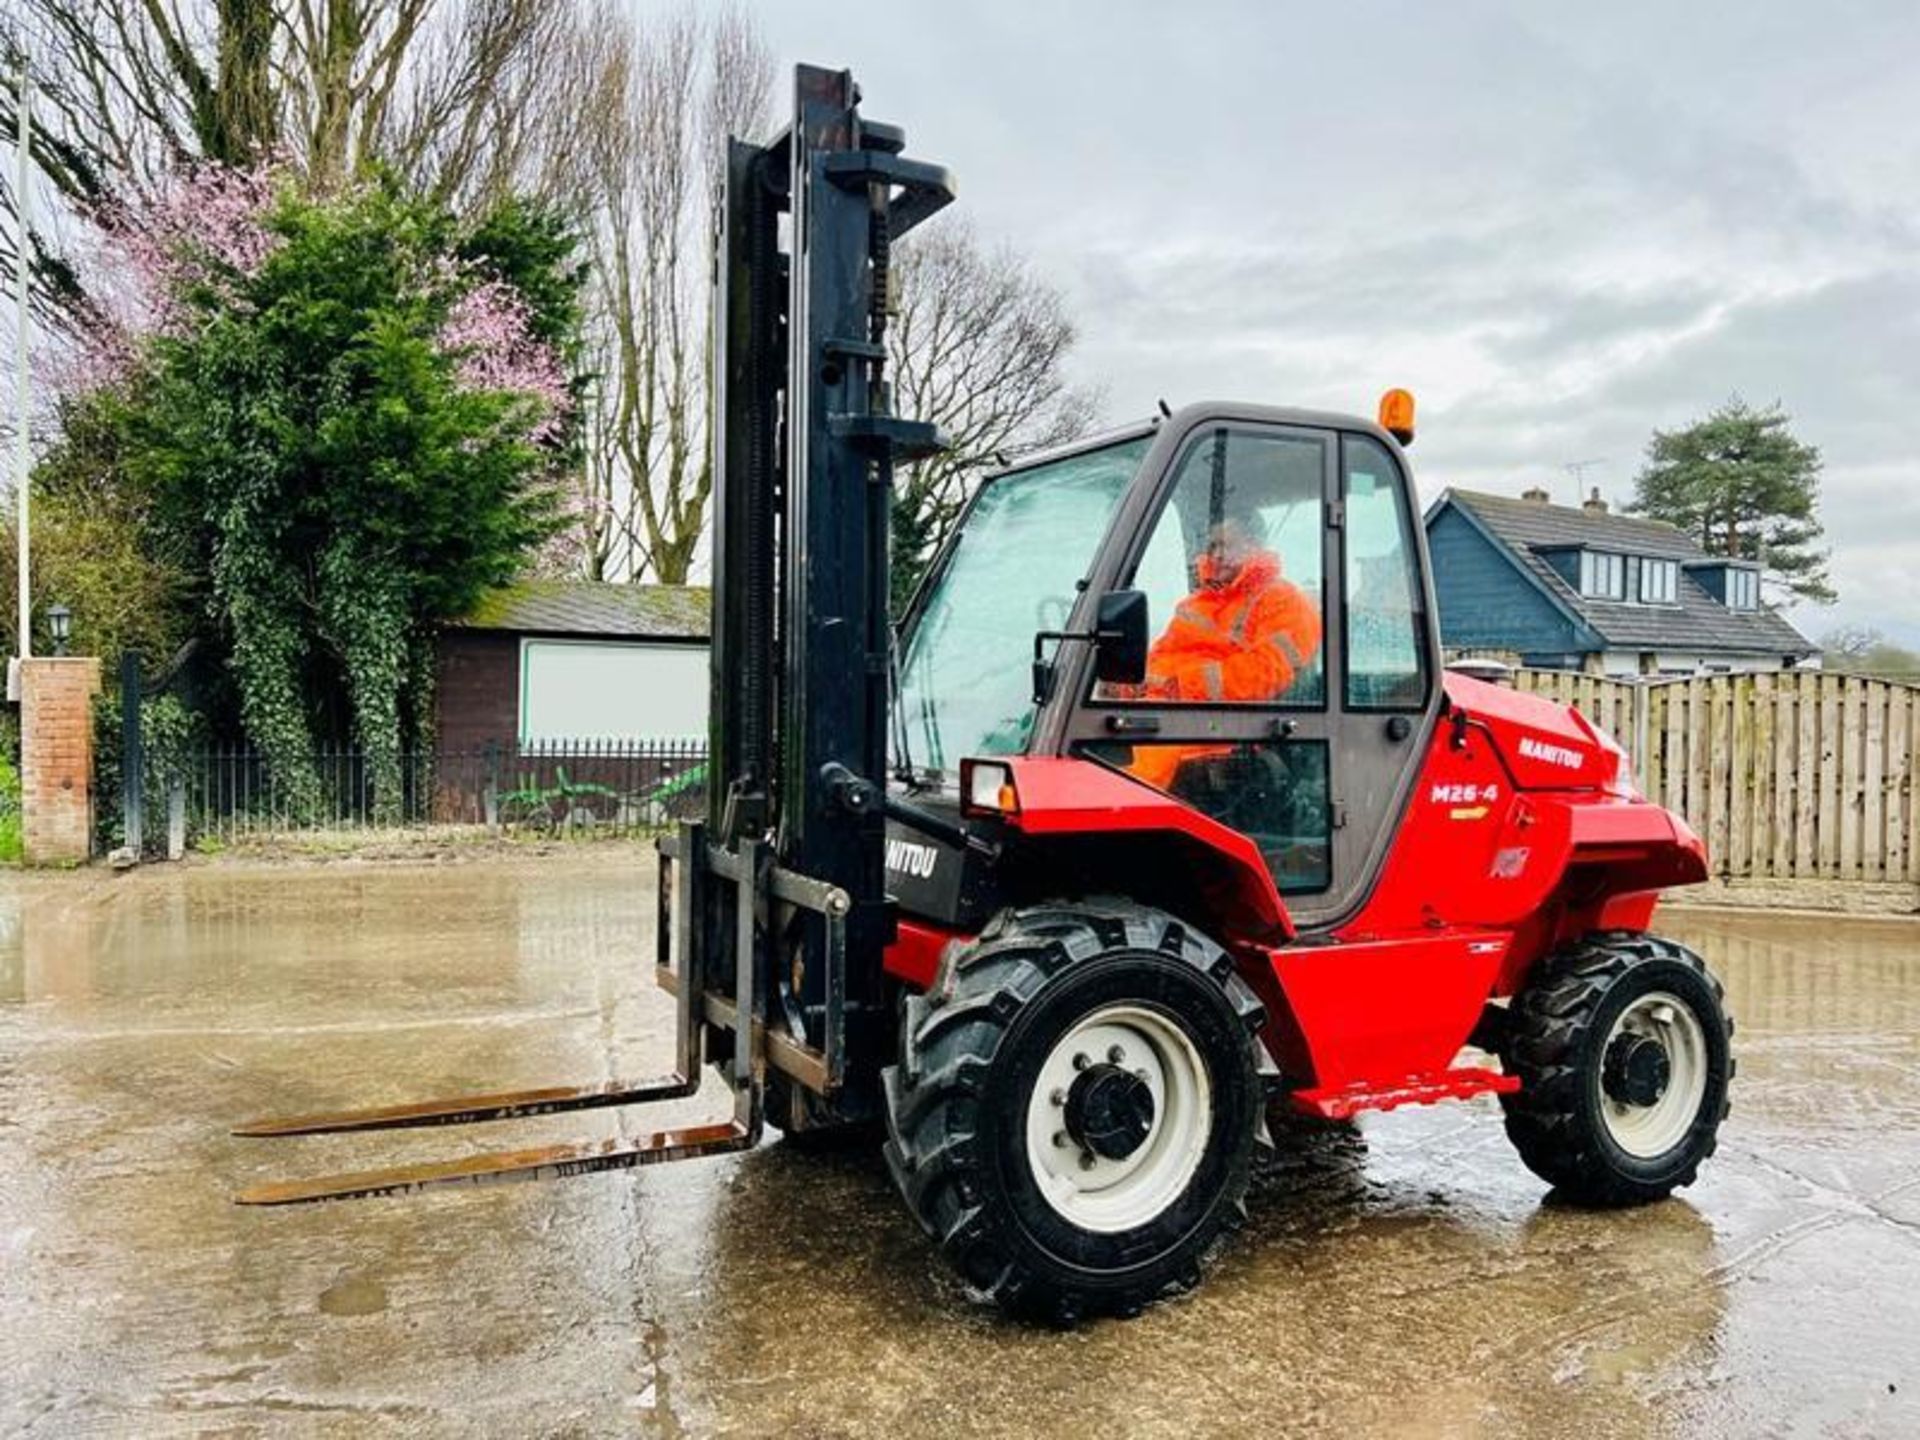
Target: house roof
(1699,623)
(1540,525)
(593,607)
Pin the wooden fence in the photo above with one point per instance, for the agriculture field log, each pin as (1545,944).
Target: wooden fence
(1800,775)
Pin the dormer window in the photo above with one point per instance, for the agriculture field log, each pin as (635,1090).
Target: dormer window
(1603,577)
(1734,584)
(1637,579)
(1659,582)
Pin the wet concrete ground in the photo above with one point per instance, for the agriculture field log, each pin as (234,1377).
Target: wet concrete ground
(1406,1281)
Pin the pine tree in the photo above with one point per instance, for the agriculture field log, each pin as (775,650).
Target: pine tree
(1741,485)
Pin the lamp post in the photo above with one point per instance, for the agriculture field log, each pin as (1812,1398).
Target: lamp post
(60,626)
(23,204)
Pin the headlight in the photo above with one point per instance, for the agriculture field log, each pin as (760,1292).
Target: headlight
(986,788)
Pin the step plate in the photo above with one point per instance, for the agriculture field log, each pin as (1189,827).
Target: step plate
(1344,1102)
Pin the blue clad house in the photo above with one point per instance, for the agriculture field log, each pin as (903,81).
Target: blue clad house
(1579,588)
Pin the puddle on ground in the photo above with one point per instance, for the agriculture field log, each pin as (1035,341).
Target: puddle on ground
(353,1295)
(1404,1276)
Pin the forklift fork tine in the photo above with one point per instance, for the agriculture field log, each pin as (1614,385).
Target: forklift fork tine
(469,1109)
(546,1162)
(554,1099)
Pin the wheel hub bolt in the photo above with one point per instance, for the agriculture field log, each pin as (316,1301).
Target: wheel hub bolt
(1086,1160)
(1116,1056)
(1081,1061)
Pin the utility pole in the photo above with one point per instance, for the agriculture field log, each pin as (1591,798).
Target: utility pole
(23,459)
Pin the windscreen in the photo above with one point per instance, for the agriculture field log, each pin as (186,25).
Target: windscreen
(966,683)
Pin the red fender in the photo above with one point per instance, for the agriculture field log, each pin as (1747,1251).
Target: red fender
(1065,796)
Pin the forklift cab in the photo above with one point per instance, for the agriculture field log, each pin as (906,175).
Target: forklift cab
(1293,664)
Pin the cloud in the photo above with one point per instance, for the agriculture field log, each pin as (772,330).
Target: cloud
(1563,229)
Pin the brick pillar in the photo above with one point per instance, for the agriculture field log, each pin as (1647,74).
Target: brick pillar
(56,757)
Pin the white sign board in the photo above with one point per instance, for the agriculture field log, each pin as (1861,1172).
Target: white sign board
(611,690)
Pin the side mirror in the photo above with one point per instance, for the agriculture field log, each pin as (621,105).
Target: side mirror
(1120,638)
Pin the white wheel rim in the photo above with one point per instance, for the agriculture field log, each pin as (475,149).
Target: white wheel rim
(1647,1132)
(1092,1191)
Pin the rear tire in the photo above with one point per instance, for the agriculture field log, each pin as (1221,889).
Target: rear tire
(1623,1048)
(1077,1105)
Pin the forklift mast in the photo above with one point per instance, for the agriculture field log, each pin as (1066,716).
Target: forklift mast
(804,448)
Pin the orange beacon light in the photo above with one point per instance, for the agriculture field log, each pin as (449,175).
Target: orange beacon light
(1396,415)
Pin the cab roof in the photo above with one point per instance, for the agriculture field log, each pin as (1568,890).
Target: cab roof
(1199,413)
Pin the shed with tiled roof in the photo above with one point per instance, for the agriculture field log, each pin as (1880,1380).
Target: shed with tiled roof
(557,661)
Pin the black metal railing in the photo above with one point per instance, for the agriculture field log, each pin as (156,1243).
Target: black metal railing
(554,787)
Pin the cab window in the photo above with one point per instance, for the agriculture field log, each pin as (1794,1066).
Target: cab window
(1233,576)
(1275,792)
(1386,631)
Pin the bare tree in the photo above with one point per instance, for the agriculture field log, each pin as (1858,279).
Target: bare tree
(1850,642)
(978,345)
(664,101)
(1863,650)
(483,107)
(449,92)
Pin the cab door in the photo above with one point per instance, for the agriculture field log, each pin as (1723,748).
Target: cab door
(1291,681)
(1389,643)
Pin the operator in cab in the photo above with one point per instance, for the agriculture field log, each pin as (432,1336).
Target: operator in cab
(1244,632)
(1240,638)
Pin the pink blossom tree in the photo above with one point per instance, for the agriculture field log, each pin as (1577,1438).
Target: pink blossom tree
(186,248)
(204,231)
(351,413)
(489,333)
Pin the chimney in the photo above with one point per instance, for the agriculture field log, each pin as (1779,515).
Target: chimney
(1537,494)
(1593,504)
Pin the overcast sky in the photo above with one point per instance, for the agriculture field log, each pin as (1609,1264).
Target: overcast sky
(1559,226)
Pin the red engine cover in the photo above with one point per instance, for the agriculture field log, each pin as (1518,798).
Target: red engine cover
(1545,746)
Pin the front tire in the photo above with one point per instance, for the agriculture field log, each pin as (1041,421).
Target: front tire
(1077,1105)
(1624,1051)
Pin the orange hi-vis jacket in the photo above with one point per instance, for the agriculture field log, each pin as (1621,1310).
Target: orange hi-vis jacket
(1242,642)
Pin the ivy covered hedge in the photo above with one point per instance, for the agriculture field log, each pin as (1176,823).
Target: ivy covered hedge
(346,416)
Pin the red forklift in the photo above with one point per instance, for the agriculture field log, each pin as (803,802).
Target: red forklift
(1156,811)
